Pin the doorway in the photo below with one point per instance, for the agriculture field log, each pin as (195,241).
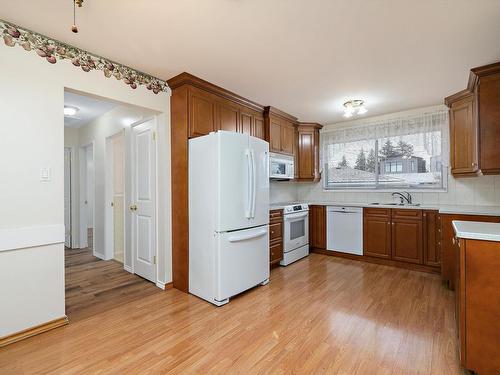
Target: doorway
(116,251)
(115,196)
(67,198)
(87,193)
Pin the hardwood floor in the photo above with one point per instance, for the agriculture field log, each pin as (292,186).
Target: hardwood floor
(319,315)
(94,286)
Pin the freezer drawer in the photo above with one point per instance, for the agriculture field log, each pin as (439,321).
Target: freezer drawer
(242,261)
(344,226)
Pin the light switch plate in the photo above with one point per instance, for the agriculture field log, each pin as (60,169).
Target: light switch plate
(45,174)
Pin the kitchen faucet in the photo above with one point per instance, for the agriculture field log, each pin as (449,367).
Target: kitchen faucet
(403,197)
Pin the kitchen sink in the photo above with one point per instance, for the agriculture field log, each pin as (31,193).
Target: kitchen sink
(395,204)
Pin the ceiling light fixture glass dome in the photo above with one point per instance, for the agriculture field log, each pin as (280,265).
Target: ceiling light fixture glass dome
(70,111)
(353,107)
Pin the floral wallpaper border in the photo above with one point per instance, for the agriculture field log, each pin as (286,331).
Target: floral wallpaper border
(53,50)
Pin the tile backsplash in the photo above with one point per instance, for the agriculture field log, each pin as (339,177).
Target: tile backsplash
(283,191)
(479,191)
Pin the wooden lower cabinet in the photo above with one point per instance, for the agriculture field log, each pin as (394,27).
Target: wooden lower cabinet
(448,261)
(377,232)
(432,238)
(478,304)
(275,236)
(317,227)
(406,236)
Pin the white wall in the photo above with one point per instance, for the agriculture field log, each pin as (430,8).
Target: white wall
(31,137)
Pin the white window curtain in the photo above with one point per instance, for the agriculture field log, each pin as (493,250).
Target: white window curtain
(425,122)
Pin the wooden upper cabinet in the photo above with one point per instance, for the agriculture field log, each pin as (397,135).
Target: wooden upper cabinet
(475,124)
(274,135)
(377,233)
(287,137)
(280,131)
(227,116)
(308,152)
(407,236)
(246,120)
(317,226)
(258,127)
(489,123)
(463,137)
(201,113)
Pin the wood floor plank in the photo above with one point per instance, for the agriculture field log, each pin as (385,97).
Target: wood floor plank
(319,315)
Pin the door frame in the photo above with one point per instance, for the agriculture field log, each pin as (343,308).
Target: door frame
(109,250)
(83,191)
(71,236)
(129,202)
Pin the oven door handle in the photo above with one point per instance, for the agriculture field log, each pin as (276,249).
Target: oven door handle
(290,217)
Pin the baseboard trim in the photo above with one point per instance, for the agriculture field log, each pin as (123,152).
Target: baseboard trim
(384,262)
(25,237)
(15,337)
(164,286)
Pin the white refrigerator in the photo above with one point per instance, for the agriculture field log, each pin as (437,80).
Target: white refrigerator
(228,215)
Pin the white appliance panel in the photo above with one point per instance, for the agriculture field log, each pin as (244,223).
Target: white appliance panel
(260,211)
(242,261)
(296,230)
(345,229)
(234,174)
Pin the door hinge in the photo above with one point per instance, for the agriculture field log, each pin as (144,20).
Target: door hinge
(154,136)
(154,259)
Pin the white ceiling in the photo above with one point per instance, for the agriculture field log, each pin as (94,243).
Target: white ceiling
(89,108)
(304,57)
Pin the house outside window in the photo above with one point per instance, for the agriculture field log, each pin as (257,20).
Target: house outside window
(390,154)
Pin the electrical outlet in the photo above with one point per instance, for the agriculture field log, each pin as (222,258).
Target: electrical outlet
(45,174)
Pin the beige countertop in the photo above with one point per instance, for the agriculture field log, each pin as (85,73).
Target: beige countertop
(443,209)
(474,230)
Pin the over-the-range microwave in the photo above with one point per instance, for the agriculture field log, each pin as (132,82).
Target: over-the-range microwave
(281,167)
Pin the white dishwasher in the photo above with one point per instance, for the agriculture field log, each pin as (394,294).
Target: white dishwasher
(344,228)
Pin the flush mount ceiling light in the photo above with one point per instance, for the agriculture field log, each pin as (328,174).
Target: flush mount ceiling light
(70,111)
(353,107)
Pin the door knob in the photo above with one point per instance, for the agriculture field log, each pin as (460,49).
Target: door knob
(133,207)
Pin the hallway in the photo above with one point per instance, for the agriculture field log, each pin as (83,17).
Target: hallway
(94,286)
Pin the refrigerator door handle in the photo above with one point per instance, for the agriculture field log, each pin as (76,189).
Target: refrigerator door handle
(248,236)
(254,182)
(248,208)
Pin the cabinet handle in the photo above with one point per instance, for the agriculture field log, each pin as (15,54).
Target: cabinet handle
(474,164)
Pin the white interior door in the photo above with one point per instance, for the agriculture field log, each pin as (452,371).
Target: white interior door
(143,204)
(67,197)
(118,197)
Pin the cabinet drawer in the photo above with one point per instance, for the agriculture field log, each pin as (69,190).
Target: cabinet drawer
(276,252)
(379,212)
(275,215)
(275,231)
(405,213)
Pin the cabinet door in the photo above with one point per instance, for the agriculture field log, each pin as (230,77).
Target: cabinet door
(317,227)
(227,117)
(202,113)
(463,137)
(377,236)
(489,123)
(407,240)
(259,129)
(306,155)
(287,138)
(246,123)
(274,135)
(275,252)
(432,238)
